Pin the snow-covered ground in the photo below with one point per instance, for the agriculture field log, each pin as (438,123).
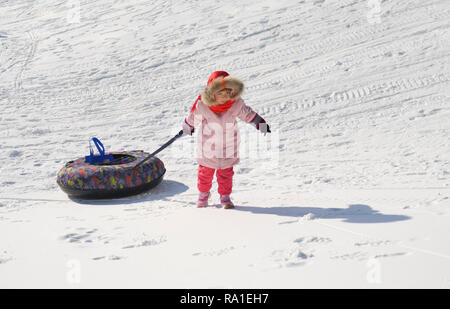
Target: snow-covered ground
(352,188)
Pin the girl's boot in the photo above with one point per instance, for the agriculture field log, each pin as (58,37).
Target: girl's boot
(203,199)
(226,202)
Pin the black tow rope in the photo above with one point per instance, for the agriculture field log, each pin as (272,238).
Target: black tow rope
(179,134)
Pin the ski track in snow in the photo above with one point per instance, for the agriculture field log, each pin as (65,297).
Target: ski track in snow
(354,177)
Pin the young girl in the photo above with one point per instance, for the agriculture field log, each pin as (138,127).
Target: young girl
(216,110)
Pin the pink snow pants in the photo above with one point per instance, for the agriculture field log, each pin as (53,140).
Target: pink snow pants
(224,179)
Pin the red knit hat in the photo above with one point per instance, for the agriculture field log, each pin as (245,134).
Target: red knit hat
(216,74)
(212,77)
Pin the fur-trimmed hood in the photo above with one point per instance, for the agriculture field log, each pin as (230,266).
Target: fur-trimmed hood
(217,84)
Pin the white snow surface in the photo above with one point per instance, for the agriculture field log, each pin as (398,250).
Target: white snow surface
(351,190)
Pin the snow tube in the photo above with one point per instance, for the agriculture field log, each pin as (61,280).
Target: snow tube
(112,178)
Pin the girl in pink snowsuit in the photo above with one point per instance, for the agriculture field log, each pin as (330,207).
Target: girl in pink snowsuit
(216,110)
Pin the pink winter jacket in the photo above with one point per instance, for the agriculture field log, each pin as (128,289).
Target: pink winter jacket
(218,135)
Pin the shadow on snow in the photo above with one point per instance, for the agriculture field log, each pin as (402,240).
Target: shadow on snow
(355,213)
(165,190)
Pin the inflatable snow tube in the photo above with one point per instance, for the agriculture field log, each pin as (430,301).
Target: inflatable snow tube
(113,178)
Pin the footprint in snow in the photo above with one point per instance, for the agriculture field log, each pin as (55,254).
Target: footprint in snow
(110,258)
